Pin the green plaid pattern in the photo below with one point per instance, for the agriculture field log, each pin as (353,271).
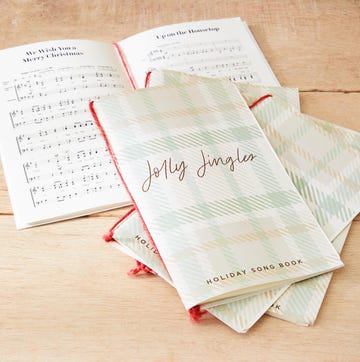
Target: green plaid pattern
(300,303)
(251,93)
(322,159)
(131,238)
(257,219)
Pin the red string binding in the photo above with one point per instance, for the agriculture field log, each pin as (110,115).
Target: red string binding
(147,78)
(109,236)
(123,61)
(259,100)
(140,267)
(195,313)
(112,155)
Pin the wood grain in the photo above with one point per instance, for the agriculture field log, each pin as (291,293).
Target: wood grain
(65,295)
(309,44)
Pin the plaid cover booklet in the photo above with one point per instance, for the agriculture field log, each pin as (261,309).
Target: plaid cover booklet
(215,199)
(301,302)
(130,237)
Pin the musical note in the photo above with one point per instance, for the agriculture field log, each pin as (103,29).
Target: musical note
(50,82)
(62,153)
(212,59)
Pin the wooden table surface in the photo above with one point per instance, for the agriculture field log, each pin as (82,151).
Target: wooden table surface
(64,293)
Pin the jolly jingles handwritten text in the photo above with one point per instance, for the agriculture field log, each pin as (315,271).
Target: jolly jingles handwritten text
(179,169)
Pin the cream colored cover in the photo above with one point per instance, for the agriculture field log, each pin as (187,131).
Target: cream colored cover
(224,214)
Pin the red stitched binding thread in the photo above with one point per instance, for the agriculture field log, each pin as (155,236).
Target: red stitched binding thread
(259,100)
(147,78)
(117,47)
(111,152)
(140,267)
(109,236)
(195,313)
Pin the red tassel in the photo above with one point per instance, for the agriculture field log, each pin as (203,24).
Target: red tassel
(195,313)
(108,237)
(259,100)
(140,267)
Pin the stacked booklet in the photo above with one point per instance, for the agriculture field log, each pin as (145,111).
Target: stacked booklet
(229,193)
(240,201)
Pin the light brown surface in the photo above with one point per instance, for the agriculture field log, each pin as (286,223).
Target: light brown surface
(65,295)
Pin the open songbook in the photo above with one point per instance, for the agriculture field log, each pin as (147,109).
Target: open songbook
(214,198)
(55,164)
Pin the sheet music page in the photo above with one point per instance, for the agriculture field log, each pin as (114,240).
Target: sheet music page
(212,48)
(54,158)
